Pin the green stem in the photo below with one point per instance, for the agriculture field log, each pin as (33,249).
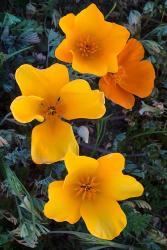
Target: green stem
(112,9)
(92,239)
(149,133)
(18,52)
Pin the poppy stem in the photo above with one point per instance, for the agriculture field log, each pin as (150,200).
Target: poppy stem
(92,239)
(112,9)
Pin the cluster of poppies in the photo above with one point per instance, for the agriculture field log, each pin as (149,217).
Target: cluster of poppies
(92,187)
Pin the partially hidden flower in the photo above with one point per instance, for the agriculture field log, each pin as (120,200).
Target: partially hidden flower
(91,190)
(49,97)
(134,77)
(91,44)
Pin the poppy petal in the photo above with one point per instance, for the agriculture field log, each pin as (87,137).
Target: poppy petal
(77,100)
(67,23)
(133,51)
(94,66)
(63,53)
(111,162)
(140,78)
(104,218)
(61,206)
(74,162)
(89,19)
(27,108)
(51,140)
(115,184)
(42,82)
(113,65)
(116,37)
(116,94)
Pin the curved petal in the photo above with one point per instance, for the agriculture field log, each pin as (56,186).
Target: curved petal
(119,187)
(114,183)
(44,83)
(111,163)
(63,53)
(61,206)
(75,163)
(140,78)
(96,66)
(27,108)
(78,101)
(89,19)
(67,23)
(116,94)
(122,187)
(51,140)
(104,218)
(113,64)
(133,51)
(114,41)
(116,38)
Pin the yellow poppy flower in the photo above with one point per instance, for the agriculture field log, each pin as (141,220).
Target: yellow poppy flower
(91,191)
(91,43)
(48,96)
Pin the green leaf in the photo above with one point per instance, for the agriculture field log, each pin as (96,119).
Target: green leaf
(152,47)
(87,238)
(4,238)
(10,20)
(149,7)
(137,223)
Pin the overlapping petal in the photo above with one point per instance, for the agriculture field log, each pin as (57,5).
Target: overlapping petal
(77,100)
(92,66)
(116,38)
(104,218)
(61,206)
(63,51)
(27,108)
(45,83)
(117,94)
(140,78)
(51,140)
(133,51)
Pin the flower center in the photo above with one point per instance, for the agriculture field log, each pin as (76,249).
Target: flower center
(116,78)
(87,188)
(49,110)
(87,47)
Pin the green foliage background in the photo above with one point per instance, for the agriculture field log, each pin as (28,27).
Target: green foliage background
(29,33)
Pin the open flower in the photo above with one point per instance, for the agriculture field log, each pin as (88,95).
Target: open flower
(134,77)
(91,190)
(91,43)
(48,96)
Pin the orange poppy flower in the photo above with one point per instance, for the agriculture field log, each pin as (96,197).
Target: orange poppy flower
(91,43)
(134,77)
(48,96)
(91,191)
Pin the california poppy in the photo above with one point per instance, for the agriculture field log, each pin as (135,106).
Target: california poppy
(91,43)
(49,97)
(91,190)
(134,77)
